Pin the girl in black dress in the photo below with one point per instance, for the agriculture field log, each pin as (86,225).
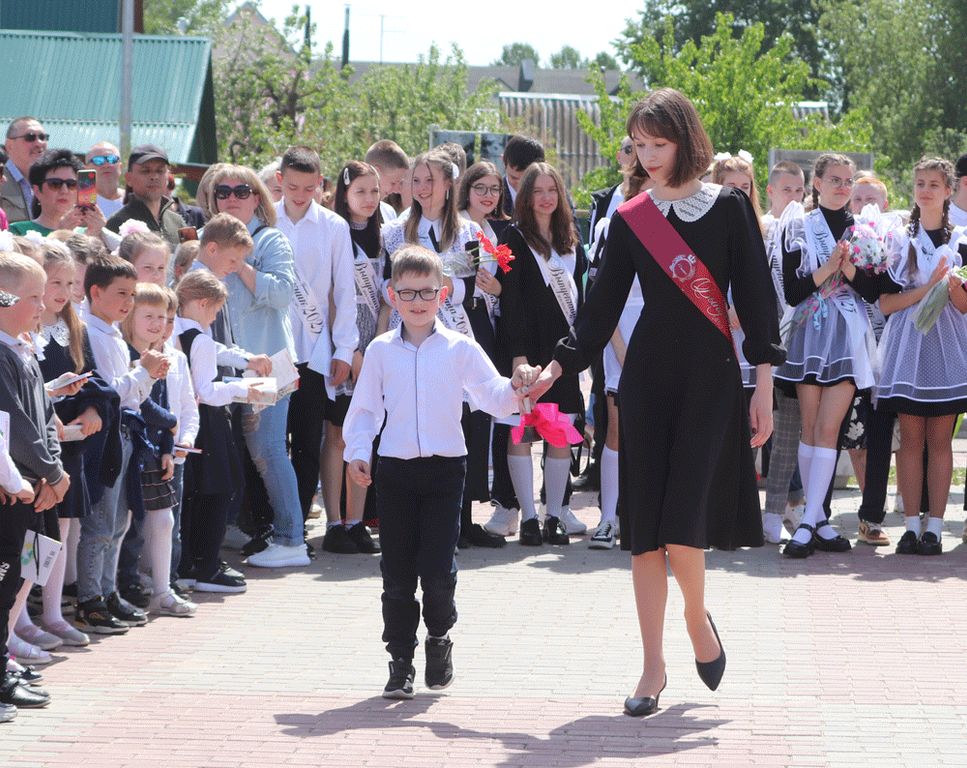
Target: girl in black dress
(540,299)
(686,475)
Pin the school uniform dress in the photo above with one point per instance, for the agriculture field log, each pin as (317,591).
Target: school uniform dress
(532,317)
(686,471)
(924,374)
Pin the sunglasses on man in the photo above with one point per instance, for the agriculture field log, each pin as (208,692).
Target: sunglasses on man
(224,191)
(31,136)
(105,160)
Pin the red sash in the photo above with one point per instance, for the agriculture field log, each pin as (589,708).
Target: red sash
(677,259)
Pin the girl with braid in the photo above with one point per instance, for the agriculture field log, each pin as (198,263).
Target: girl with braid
(924,375)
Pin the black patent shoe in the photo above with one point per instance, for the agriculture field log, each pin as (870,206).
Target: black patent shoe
(478,537)
(643,705)
(929,544)
(554,532)
(711,671)
(907,544)
(799,551)
(530,533)
(837,544)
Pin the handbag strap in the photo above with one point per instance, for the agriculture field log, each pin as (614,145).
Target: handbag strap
(677,260)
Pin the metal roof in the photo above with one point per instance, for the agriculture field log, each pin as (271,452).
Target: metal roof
(72,82)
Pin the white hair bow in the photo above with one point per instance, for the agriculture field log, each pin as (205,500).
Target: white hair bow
(131,226)
(456,171)
(741,154)
(6,241)
(35,237)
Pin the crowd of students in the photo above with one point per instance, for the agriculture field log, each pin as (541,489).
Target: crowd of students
(136,443)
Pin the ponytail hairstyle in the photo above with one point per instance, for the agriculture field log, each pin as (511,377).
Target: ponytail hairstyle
(57,255)
(145,293)
(200,284)
(737,165)
(946,169)
(450,225)
(819,169)
(563,235)
(371,240)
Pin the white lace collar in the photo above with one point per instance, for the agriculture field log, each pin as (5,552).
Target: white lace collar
(58,332)
(693,207)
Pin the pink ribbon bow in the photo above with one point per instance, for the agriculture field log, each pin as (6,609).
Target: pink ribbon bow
(550,423)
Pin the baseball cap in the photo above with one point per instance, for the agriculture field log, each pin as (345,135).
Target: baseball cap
(145,152)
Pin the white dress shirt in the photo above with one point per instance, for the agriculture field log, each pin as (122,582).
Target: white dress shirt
(420,392)
(10,478)
(181,397)
(387,211)
(323,257)
(113,363)
(204,370)
(957,215)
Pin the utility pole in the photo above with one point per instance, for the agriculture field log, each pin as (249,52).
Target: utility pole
(382,19)
(127,66)
(345,40)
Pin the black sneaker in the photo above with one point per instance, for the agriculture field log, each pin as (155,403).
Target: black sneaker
(137,595)
(338,541)
(124,612)
(530,533)
(93,616)
(439,664)
(16,694)
(929,544)
(400,683)
(182,593)
(362,539)
(554,532)
(221,582)
(259,541)
(224,567)
(907,544)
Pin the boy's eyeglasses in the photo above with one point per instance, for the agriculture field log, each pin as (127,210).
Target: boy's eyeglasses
(55,183)
(31,136)
(483,189)
(105,160)
(224,191)
(408,294)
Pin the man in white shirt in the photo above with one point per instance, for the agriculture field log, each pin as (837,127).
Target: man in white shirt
(958,203)
(105,159)
(325,288)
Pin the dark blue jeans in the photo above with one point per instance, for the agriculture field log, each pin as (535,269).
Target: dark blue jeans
(418,504)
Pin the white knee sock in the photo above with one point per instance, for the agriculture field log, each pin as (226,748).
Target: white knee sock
(805,455)
(609,485)
(821,470)
(54,587)
(158,524)
(521,470)
(555,483)
(73,537)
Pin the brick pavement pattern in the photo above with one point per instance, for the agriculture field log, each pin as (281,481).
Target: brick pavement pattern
(840,660)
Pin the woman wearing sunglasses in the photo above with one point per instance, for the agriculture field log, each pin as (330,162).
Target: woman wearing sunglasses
(259,295)
(54,181)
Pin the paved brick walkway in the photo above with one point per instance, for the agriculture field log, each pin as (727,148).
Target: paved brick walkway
(842,660)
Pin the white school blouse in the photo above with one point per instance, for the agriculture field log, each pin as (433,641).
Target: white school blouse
(204,370)
(420,393)
(113,363)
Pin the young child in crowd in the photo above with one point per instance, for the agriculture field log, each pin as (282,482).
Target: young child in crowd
(415,378)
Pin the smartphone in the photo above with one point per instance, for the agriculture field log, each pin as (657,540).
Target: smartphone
(187,233)
(87,188)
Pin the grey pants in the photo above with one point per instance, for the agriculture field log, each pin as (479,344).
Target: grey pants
(787,431)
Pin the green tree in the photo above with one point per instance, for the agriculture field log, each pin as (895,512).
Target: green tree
(201,17)
(567,58)
(603,60)
(744,91)
(512,55)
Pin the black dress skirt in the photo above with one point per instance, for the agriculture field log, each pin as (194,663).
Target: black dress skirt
(686,471)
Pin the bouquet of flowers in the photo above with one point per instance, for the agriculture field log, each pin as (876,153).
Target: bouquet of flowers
(499,253)
(933,303)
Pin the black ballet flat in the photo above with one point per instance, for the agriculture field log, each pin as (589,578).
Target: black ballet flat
(799,551)
(644,705)
(711,671)
(839,544)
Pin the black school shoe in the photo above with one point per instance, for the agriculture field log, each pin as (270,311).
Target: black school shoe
(530,533)
(797,551)
(94,617)
(124,612)
(400,683)
(361,537)
(338,541)
(439,663)
(15,693)
(929,544)
(554,532)
(476,536)
(907,544)
(137,595)
(837,544)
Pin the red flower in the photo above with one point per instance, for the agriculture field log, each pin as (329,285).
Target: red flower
(501,253)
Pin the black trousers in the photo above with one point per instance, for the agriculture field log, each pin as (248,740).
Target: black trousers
(15,520)
(501,489)
(307,412)
(204,518)
(418,504)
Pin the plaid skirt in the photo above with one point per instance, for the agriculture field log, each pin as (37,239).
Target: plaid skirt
(157,493)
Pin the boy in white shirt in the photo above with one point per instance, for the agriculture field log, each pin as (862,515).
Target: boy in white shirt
(325,290)
(415,377)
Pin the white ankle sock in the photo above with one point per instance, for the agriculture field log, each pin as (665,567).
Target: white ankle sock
(935,526)
(609,485)
(351,523)
(555,483)
(521,470)
(157,527)
(821,465)
(333,524)
(912,523)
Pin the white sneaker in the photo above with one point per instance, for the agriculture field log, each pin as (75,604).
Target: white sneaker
(7,713)
(572,526)
(279,556)
(69,635)
(169,604)
(235,538)
(772,527)
(503,521)
(604,536)
(793,517)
